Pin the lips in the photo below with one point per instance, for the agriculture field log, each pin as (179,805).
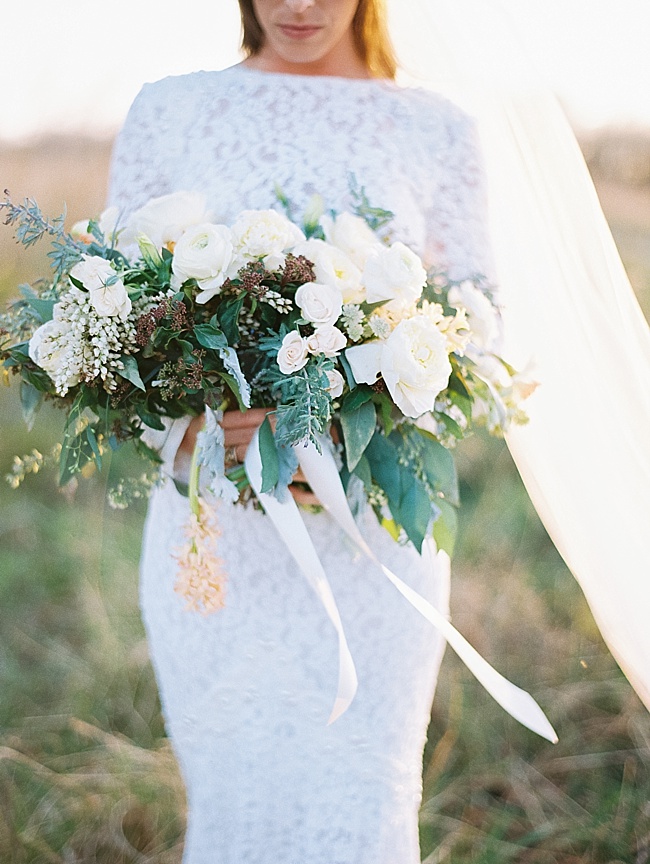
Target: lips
(299,31)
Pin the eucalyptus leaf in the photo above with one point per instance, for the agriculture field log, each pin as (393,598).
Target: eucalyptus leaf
(269,456)
(43,308)
(358,428)
(363,472)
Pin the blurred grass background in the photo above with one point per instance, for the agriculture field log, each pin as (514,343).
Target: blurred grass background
(86,773)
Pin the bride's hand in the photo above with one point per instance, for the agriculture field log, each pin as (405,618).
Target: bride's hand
(239,428)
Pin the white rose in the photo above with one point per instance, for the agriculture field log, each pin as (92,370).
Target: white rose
(326,340)
(264,234)
(49,347)
(108,294)
(336,383)
(394,273)
(352,235)
(415,365)
(164,219)
(333,267)
(319,304)
(293,353)
(203,252)
(482,316)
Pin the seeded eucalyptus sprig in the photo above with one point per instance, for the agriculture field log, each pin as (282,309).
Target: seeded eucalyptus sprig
(31,226)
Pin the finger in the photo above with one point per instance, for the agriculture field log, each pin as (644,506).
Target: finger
(302,496)
(242,419)
(233,437)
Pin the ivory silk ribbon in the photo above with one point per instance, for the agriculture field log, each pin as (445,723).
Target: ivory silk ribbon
(322,475)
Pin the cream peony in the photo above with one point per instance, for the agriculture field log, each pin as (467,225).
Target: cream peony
(266,235)
(164,219)
(293,353)
(333,267)
(394,273)
(482,316)
(203,252)
(326,340)
(108,294)
(336,383)
(352,235)
(415,365)
(319,304)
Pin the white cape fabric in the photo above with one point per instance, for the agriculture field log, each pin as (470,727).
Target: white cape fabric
(569,312)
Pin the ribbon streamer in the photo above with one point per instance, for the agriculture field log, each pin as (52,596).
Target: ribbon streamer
(323,477)
(288,522)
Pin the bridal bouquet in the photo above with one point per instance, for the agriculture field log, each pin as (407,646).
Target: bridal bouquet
(334,327)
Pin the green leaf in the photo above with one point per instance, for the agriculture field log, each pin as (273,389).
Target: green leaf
(414,513)
(92,440)
(382,456)
(269,456)
(358,428)
(43,308)
(228,315)
(445,527)
(362,470)
(231,381)
(149,419)
(31,400)
(440,468)
(385,406)
(362,393)
(210,337)
(131,371)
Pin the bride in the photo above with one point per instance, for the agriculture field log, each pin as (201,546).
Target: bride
(246,692)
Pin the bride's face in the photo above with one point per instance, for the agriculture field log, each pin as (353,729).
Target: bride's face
(307,32)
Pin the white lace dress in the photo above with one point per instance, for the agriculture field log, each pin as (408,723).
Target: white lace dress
(246,692)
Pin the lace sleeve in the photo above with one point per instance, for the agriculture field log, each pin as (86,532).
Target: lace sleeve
(457,219)
(138,167)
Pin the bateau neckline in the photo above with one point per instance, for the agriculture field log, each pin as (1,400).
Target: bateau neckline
(386,83)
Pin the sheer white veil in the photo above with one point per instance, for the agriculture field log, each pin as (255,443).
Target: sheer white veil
(569,310)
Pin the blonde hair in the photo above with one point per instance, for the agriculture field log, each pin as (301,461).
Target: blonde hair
(369,29)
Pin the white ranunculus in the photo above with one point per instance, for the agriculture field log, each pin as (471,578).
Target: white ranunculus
(351,235)
(319,304)
(365,361)
(394,273)
(108,294)
(293,353)
(482,316)
(333,267)
(203,252)
(164,219)
(49,346)
(107,224)
(327,340)
(336,383)
(266,235)
(415,365)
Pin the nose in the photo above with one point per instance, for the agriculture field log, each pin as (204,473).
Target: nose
(298,6)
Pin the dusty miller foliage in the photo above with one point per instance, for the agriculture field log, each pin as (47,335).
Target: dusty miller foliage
(31,226)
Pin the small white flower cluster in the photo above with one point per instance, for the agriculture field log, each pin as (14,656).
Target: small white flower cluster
(80,344)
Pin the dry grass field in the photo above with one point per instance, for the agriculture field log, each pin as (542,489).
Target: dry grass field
(86,773)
